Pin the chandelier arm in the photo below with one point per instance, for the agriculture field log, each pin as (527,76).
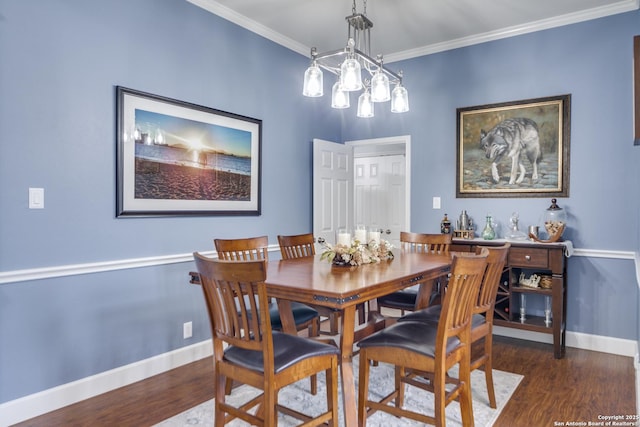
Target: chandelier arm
(369,61)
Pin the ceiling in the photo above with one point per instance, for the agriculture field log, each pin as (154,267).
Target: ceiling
(406,28)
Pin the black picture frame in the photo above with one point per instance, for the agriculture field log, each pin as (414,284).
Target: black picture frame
(499,144)
(636,90)
(175,158)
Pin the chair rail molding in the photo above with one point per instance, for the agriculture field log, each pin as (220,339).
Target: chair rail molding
(26,275)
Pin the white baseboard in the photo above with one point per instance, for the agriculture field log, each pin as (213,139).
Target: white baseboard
(27,407)
(619,346)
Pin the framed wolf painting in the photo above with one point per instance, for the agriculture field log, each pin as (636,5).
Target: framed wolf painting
(514,149)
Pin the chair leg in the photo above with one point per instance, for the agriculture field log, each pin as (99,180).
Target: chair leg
(488,370)
(220,399)
(363,388)
(270,414)
(439,399)
(466,408)
(314,331)
(400,373)
(331,376)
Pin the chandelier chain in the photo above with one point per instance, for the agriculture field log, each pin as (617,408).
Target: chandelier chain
(353,7)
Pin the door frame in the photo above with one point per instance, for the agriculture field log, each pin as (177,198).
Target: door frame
(390,145)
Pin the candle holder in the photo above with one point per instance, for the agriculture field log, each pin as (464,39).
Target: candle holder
(343,237)
(547,311)
(373,235)
(523,308)
(360,234)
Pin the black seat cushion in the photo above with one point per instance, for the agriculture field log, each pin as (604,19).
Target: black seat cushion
(301,314)
(400,300)
(432,314)
(287,351)
(418,337)
(404,299)
(429,314)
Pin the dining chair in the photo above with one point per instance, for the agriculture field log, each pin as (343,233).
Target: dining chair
(428,349)
(246,349)
(482,319)
(257,248)
(405,299)
(303,246)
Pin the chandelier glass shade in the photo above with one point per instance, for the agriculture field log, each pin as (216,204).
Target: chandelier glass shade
(365,105)
(356,70)
(339,96)
(399,100)
(380,87)
(313,84)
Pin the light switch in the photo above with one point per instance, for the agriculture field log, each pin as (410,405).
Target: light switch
(436,202)
(36,198)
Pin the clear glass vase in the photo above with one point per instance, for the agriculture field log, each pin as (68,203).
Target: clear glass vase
(489,233)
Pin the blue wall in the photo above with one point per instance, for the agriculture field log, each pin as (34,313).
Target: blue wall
(60,61)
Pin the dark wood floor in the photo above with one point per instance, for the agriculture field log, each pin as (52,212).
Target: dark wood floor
(578,388)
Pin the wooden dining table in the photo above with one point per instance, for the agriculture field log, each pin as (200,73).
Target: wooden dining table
(314,281)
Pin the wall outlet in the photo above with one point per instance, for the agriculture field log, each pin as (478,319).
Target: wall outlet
(187,330)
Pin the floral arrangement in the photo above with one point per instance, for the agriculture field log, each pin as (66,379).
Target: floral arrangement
(357,253)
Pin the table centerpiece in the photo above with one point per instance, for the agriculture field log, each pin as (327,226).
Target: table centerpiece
(357,253)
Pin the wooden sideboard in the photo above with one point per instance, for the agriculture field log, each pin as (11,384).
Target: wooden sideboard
(528,258)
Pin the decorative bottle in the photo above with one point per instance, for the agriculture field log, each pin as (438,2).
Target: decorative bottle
(463,222)
(488,233)
(445,225)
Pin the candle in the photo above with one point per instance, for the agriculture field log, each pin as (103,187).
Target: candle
(375,236)
(344,239)
(361,235)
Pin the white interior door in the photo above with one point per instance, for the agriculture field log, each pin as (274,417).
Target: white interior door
(379,187)
(332,188)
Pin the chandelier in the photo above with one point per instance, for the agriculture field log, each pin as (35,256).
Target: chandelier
(349,65)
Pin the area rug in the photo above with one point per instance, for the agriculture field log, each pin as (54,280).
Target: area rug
(297,396)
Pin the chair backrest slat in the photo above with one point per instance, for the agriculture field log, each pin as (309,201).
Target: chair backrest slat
(298,246)
(462,293)
(427,243)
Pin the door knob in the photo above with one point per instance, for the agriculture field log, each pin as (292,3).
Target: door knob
(320,240)
(388,231)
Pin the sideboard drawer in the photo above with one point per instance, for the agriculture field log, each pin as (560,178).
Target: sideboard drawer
(529,257)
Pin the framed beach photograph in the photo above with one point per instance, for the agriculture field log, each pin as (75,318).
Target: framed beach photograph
(175,158)
(514,149)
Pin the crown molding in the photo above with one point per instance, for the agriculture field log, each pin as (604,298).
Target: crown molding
(251,25)
(531,27)
(544,24)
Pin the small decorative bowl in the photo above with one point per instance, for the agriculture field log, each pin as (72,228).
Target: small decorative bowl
(546,282)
